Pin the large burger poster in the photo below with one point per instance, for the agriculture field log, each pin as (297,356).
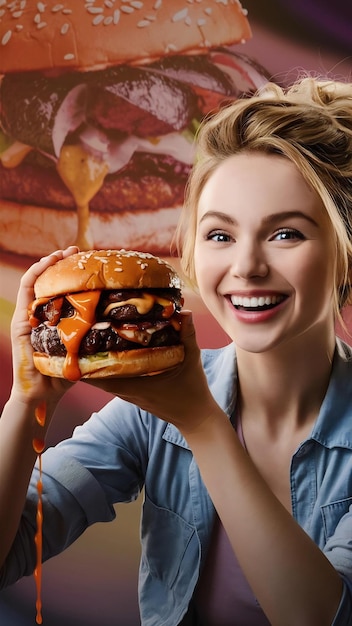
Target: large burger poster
(99,104)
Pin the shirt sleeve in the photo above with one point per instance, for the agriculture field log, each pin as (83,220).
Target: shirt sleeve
(338,550)
(83,477)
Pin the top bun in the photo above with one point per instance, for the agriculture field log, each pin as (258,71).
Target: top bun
(94,34)
(105,269)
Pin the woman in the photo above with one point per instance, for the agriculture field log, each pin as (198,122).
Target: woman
(248,483)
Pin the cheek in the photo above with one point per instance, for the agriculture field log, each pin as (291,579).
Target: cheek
(204,276)
(316,275)
(207,274)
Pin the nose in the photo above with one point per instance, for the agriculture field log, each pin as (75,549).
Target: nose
(249,260)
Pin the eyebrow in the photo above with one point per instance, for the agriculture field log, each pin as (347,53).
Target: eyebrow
(268,219)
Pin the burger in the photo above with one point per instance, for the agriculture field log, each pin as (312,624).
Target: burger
(106,313)
(99,104)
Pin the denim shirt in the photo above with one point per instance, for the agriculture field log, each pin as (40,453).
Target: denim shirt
(121,450)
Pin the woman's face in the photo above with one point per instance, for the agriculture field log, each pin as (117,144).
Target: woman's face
(264,252)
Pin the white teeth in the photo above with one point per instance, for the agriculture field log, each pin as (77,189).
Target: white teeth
(253,302)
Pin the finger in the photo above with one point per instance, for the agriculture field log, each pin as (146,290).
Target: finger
(25,293)
(29,278)
(187,326)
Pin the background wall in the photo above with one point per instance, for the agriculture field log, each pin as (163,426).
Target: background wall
(95,581)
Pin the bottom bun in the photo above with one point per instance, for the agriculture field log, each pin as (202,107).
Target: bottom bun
(128,363)
(37,231)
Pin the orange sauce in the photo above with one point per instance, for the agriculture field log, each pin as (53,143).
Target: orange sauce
(73,329)
(83,174)
(38,447)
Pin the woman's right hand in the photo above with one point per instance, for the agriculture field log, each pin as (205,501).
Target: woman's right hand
(28,384)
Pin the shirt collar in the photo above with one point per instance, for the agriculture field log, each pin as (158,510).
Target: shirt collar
(333,426)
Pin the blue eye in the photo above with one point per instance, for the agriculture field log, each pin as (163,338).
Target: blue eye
(218,236)
(285,234)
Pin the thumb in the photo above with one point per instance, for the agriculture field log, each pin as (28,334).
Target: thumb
(188,332)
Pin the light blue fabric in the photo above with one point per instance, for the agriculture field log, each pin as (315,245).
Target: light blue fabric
(121,449)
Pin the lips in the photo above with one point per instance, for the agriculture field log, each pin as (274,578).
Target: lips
(257,303)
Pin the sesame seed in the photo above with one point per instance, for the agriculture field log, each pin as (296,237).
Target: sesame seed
(143,23)
(208,11)
(201,21)
(127,9)
(37,18)
(171,48)
(108,20)
(41,25)
(67,11)
(158,4)
(97,19)
(6,38)
(136,4)
(17,14)
(41,7)
(64,28)
(144,266)
(94,10)
(116,16)
(109,4)
(2,12)
(19,27)
(57,7)
(188,21)
(118,269)
(69,57)
(80,265)
(180,15)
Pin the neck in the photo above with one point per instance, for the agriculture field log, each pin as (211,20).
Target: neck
(286,384)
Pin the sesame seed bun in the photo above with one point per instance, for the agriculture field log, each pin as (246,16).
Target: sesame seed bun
(106,269)
(85,35)
(123,364)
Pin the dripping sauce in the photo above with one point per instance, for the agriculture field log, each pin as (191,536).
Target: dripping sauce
(38,447)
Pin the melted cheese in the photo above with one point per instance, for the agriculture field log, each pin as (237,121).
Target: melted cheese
(83,175)
(144,304)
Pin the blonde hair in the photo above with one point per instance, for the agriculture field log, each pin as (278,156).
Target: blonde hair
(310,123)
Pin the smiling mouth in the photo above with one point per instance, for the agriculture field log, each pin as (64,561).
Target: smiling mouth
(263,303)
